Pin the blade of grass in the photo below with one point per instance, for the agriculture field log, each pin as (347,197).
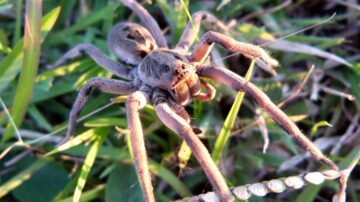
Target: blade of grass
(31,59)
(47,23)
(11,63)
(40,118)
(18,179)
(89,161)
(66,192)
(89,135)
(177,16)
(319,124)
(85,22)
(17,33)
(229,121)
(4,48)
(30,65)
(90,195)
(170,178)
(185,6)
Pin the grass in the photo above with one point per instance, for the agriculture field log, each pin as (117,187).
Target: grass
(96,164)
(31,51)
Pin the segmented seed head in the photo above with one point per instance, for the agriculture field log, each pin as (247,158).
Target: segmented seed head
(314,178)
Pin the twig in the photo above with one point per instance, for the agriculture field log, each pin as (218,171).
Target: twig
(11,121)
(341,196)
(347,135)
(337,92)
(347,4)
(263,130)
(298,88)
(322,143)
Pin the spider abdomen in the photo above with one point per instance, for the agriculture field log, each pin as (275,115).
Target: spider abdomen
(130,42)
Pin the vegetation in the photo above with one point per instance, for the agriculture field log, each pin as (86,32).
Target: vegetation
(96,164)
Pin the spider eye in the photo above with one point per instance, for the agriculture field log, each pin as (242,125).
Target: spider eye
(165,67)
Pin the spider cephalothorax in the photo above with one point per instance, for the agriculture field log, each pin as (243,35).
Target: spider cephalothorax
(168,79)
(170,71)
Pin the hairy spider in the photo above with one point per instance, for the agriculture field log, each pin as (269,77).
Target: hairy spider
(169,79)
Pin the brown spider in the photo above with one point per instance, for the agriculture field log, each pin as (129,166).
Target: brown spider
(168,79)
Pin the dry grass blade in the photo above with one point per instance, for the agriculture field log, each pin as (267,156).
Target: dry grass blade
(288,46)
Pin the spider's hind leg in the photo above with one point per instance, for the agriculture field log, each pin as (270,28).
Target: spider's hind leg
(192,29)
(148,21)
(104,84)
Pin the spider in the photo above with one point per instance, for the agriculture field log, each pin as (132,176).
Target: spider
(169,79)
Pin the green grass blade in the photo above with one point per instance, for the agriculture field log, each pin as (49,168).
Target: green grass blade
(17,30)
(10,65)
(88,162)
(229,121)
(90,195)
(30,64)
(89,135)
(319,124)
(177,16)
(40,118)
(185,6)
(170,178)
(86,21)
(309,194)
(30,61)
(17,180)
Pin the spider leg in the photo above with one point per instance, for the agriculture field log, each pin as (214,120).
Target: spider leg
(210,92)
(238,83)
(184,130)
(148,21)
(179,110)
(192,28)
(203,48)
(136,101)
(104,84)
(98,56)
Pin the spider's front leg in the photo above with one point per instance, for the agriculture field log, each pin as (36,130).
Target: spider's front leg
(238,83)
(184,130)
(98,56)
(137,100)
(104,84)
(203,48)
